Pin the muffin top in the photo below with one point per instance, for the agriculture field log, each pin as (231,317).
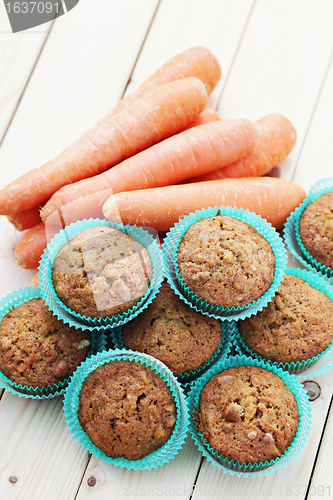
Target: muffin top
(225,261)
(101,272)
(316,229)
(248,414)
(37,349)
(173,332)
(296,325)
(126,409)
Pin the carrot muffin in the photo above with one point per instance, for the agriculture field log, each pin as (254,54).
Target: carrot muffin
(248,414)
(225,261)
(296,325)
(37,349)
(126,409)
(174,333)
(316,229)
(101,272)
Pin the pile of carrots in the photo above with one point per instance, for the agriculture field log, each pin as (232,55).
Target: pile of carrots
(160,154)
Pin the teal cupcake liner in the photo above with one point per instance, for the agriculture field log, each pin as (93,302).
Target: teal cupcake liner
(186,377)
(71,404)
(262,468)
(77,320)
(12,301)
(170,248)
(311,367)
(291,230)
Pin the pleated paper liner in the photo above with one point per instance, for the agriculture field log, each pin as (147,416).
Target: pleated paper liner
(292,235)
(12,301)
(77,320)
(186,378)
(170,248)
(159,457)
(247,469)
(311,367)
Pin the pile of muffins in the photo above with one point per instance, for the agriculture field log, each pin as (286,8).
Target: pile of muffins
(174,316)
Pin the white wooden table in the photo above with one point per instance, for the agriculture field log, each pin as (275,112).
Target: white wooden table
(58,80)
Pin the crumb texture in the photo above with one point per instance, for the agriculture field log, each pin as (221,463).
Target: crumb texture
(37,349)
(248,414)
(101,272)
(173,332)
(316,229)
(295,326)
(225,261)
(126,409)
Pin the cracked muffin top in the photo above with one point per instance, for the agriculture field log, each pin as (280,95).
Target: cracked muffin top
(173,332)
(126,409)
(248,414)
(316,229)
(101,272)
(225,261)
(36,348)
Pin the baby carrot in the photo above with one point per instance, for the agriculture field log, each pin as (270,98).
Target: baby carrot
(196,61)
(30,247)
(276,138)
(160,208)
(200,149)
(26,219)
(159,114)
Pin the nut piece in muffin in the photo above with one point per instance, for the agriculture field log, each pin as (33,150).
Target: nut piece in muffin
(296,325)
(101,272)
(36,348)
(173,332)
(248,414)
(316,229)
(126,409)
(225,261)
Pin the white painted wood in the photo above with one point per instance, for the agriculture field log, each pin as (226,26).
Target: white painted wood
(18,55)
(217,25)
(290,482)
(281,65)
(174,479)
(38,450)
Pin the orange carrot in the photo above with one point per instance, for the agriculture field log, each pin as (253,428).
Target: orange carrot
(26,219)
(159,114)
(161,208)
(276,138)
(208,115)
(34,280)
(31,246)
(200,149)
(197,61)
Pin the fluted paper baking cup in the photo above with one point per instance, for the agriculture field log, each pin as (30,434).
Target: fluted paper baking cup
(77,320)
(291,230)
(71,404)
(170,248)
(247,469)
(311,367)
(186,377)
(14,300)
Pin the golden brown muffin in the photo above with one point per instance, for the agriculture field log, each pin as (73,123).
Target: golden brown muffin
(173,332)
(296,325)
(316,229)
(248,414)
(126,409)
(225,261)
(36,348)
(101,272)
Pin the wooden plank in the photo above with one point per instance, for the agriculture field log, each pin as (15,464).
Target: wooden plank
(173,479)
(19,53)
(289,482)
(39,457)
(281,65)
